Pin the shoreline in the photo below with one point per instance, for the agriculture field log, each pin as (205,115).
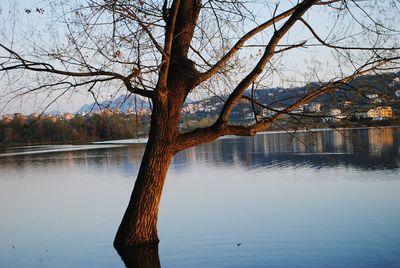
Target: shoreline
(143,140)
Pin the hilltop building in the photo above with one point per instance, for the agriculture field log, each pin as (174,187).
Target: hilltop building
(395,82)
(380,113)
(314,107)
(335,115)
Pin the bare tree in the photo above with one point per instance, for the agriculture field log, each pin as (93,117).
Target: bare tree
(166,50)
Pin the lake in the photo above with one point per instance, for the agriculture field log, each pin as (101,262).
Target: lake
(321,199)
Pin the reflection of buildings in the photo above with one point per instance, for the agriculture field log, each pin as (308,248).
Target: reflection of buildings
(338,140)
(365,148)
(7,118)
(353,147)
(361,148)
(379,138)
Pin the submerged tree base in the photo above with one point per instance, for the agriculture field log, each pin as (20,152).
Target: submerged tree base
(140,256)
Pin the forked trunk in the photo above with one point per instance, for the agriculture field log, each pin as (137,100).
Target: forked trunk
(139,224)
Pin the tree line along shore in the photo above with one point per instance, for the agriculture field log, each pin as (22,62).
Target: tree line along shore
(113,126)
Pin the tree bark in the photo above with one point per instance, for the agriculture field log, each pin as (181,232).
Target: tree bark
(139,223)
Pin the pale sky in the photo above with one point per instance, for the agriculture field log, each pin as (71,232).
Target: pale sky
(295,64)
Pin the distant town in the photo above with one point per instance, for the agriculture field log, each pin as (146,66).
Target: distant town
(368,101)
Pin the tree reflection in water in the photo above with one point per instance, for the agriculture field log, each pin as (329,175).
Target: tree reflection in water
(145,256)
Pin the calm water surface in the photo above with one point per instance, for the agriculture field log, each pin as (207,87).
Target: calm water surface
(330,199)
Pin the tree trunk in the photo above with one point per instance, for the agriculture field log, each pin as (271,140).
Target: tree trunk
(139,223)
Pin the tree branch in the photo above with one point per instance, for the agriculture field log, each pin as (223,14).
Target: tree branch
(143,26)
(268,54)
(169,35)
(342,47)
(217,66)
(23,64)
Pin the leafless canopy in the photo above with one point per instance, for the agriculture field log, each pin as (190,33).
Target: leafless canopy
(218,47)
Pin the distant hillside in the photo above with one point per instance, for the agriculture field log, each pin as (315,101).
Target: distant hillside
(358,91)
(384,86)
(123,103)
